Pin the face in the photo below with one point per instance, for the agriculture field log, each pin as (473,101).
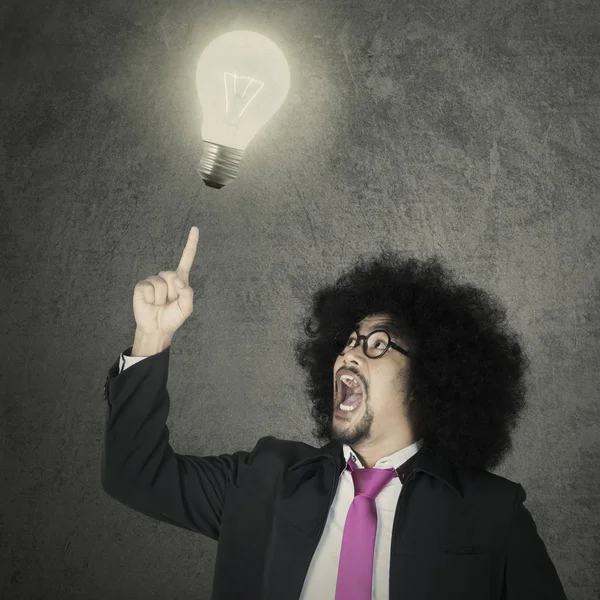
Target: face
(380,417)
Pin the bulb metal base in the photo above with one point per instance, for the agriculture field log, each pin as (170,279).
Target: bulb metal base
(219,164)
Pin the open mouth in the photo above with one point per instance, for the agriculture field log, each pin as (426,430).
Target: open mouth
(351,397)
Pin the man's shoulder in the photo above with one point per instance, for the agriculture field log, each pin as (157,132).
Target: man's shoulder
(272,457)
(276,455)
(486,486)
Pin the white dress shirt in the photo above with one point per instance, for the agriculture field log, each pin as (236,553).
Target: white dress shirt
(321,577)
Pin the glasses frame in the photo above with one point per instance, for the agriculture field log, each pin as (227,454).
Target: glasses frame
(364,339)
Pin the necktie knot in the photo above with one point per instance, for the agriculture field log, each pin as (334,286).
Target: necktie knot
(370,482)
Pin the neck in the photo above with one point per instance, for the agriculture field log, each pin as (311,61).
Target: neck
(369,456)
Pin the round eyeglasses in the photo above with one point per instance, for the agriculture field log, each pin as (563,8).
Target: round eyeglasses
(375,345)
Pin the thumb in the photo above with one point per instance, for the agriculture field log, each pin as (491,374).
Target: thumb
(179,283)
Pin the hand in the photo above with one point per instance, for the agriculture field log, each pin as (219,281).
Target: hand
(159,306)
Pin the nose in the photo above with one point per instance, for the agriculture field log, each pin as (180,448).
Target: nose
(355,354)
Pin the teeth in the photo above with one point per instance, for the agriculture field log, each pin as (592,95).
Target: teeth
(350,381)
(354,385)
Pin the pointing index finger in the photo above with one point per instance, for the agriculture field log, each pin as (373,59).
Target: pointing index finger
(189,252)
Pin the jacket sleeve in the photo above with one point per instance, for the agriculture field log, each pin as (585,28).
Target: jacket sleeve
(529,572)
(139,467)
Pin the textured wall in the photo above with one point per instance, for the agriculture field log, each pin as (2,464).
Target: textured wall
(468,129)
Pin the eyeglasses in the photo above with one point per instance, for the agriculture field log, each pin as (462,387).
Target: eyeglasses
(375,345)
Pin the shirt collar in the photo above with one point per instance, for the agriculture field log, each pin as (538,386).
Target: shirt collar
(393,461)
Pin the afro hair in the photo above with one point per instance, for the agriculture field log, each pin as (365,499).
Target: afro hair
(465,380)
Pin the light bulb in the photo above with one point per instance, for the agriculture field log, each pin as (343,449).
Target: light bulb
(242,80)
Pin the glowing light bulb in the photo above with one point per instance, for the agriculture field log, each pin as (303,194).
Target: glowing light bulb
(242,79)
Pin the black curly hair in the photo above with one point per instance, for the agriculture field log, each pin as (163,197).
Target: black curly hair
(466,382)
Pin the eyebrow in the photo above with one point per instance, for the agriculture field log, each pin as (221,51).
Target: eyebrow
(385,326)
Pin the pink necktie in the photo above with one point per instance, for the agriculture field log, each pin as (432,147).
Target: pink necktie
(355,573)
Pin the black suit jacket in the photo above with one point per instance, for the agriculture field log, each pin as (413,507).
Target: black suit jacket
(458,534)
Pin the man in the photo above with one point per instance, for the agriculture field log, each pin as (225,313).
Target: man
(416,384)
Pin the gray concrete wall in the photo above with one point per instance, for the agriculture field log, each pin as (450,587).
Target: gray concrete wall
(467,129)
